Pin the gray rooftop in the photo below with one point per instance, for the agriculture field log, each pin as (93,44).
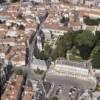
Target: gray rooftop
(72,63)
(39,62)
(3,17)
(98,1)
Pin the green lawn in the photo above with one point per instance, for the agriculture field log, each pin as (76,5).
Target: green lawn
(75,58)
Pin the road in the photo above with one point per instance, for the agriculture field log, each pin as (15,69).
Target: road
(33,37)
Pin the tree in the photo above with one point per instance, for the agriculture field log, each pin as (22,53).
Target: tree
(19,72)
(85,42)
(20,16)
(43,55)
(95,50)
(58,52)
(54,98)
(96,57)
(89,21)
(65,41)
(73,35)
(2,1)
(14,1)
(63,44)
(64,20)
(86,38)
(21,27)
(97,36)
(74,51)
(48,49)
